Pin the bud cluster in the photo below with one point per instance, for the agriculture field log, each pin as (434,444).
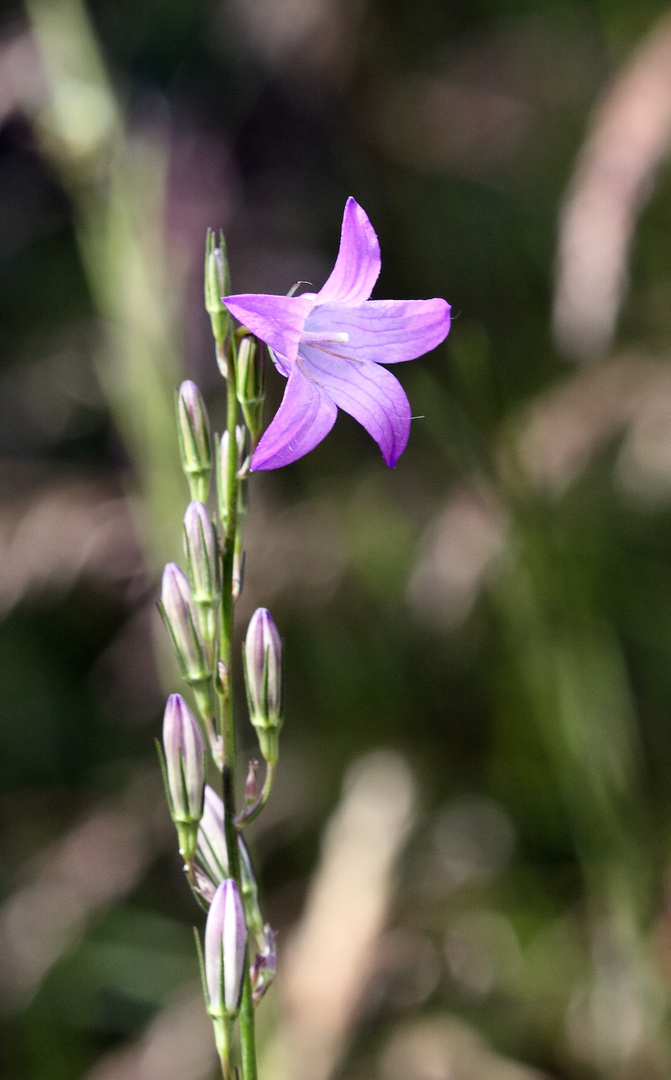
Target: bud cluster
(197,607)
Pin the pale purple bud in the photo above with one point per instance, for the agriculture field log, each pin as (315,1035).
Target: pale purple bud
(184,749)
(213,857)
(179,613)
(264,967)
(202,557)
(263,675)
(211,849)
(195,444)
(225,944)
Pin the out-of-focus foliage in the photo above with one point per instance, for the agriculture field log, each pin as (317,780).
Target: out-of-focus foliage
(480,639)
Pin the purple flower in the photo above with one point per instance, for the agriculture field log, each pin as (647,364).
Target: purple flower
(329,346)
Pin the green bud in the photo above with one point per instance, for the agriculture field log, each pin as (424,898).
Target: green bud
(217,284)
(262,655)
(195,444)
(250,383)
(202,557)
(242,454)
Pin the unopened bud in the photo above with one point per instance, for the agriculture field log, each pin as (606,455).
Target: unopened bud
(225,944)
(262,654)
(242,453)
(251,783)
(211,849)
(250,383)
(264,967)
(213,858)
(184,749)
(217,284)
(201,548)
(195,446)
(180,617)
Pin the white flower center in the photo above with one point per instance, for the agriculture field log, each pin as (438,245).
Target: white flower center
(324,337)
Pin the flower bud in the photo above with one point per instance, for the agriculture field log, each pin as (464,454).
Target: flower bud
(225,946)
(195,445)
(184,749)
(264,967)
(211,850)
(250,383)
(241,460)
(262,656)
(202,558)
(213,858)
(217,284)
(179,615)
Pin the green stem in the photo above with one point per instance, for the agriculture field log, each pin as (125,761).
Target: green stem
(247,1038)
(230,530)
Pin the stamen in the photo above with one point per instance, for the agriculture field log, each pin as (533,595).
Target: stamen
(332,352)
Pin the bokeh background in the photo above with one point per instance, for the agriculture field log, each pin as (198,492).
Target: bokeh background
(468,852)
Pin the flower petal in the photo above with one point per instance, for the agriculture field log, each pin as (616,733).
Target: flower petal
(304,418)
(357,267)
(277,320)
(385,331)
(369,393)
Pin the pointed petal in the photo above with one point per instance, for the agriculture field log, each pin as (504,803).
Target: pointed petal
(277,320)
(385,331)
(369,393)
(304,418)
(357,267)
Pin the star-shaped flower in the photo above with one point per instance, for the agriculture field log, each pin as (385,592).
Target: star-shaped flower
(329,345)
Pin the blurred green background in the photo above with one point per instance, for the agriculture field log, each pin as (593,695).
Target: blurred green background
(478,641)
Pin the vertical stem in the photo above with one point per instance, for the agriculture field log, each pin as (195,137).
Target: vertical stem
(247,1037)
(227,731)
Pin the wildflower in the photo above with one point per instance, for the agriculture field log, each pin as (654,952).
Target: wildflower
(329,345)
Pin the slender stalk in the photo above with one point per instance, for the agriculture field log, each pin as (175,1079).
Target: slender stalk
(226,646)
(247,1037)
